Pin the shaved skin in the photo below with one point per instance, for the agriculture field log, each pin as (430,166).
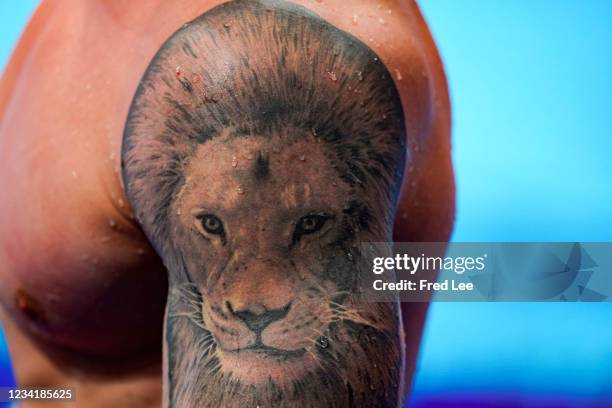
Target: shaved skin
(250,147)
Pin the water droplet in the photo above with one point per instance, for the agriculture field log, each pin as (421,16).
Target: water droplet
(323,342)
(349,256)
(302,157)
(375,58)
(227,25)
(179,212)
(112,223)
(240,190)
(234,161)
(332,76)
(120,203)
(355,19)
(382,21)
(250,156)
(210,98)
(360,76)
(398,74)
(178,71)
(314,132)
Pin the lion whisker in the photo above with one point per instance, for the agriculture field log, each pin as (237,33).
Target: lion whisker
(340,292)
(205,340)
(184,314)
(348,314)
(315,358)
(339,306)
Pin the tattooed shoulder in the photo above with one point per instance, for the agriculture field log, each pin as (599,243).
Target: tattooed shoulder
(262,146)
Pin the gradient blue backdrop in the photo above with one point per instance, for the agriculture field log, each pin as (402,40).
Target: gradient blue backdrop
(531,83)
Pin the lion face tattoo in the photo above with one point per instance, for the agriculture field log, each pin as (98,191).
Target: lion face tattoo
(263,145)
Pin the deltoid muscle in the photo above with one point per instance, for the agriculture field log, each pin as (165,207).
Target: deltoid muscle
(262,146)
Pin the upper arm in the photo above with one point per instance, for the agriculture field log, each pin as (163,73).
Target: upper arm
(265,144)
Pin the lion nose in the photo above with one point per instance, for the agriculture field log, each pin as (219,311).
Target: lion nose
(257,322)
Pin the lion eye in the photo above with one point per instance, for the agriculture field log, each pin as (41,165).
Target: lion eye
(211,224)
(312,223)
(309,224)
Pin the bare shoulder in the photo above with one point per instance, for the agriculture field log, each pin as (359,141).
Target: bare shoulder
(77,271)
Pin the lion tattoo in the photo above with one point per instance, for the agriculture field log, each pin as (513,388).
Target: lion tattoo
(262,147)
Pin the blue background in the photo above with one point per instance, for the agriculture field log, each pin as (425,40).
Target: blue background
(531,83)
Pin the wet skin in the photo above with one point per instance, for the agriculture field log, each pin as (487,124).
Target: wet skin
(72,257)
(260,301)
